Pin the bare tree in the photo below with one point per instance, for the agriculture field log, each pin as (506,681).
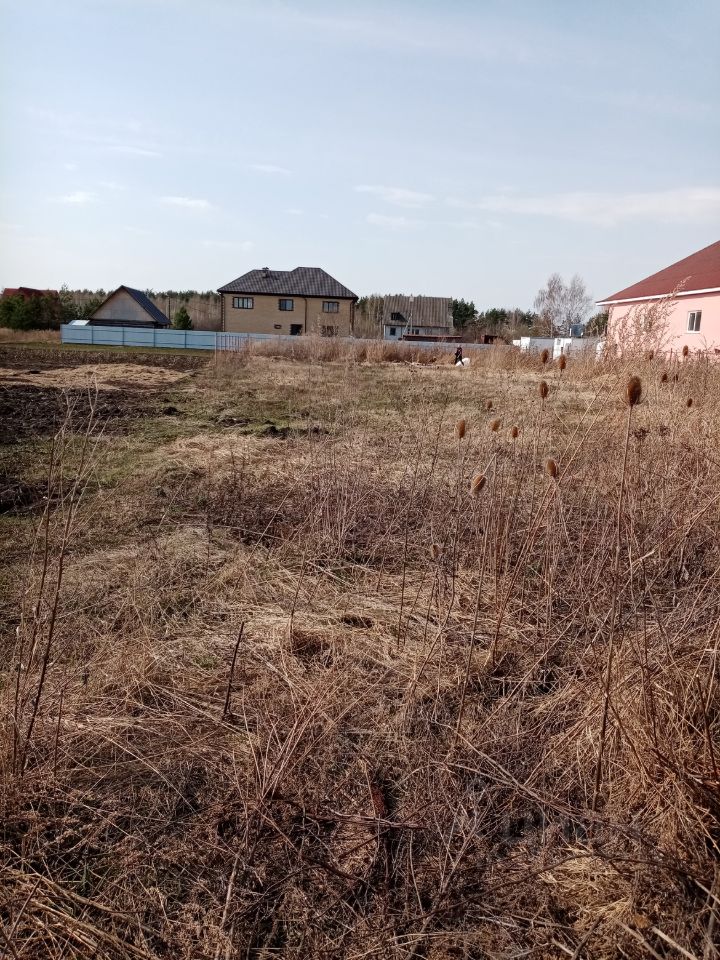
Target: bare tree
(560,306)
(578,303)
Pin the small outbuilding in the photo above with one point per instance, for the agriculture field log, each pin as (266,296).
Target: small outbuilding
(128,307)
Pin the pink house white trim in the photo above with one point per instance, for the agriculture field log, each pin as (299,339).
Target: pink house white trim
(691,316)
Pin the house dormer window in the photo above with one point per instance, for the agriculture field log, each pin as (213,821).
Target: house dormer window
(694,318)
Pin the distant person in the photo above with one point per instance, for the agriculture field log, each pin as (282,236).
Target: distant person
(458,357)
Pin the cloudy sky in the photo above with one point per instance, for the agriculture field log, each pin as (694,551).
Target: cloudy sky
(443,148)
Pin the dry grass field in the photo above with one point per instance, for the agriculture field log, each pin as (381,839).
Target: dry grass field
(350,659)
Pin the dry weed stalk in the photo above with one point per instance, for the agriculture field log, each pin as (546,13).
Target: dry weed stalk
(633,393)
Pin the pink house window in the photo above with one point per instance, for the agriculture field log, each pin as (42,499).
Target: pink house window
(694,318)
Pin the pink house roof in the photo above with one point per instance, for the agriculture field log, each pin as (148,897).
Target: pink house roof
(700,272)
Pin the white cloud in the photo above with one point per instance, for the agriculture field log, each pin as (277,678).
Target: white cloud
(111,185)
(391,223)
(682,205)
(79,196)
(70,167)
(295,211)
(269,168)
(189,203)
(398,196)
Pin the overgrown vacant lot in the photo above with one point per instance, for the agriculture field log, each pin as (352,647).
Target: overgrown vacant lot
(327,660)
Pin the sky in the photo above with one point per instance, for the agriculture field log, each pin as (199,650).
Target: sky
(456,148)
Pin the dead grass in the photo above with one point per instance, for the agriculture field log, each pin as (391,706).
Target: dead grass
(101,376)
(8,336)
(399,755)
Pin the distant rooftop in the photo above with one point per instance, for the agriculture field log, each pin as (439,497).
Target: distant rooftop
(419,311)
(300,282)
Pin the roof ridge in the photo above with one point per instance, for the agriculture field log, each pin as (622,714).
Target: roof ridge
(698,271)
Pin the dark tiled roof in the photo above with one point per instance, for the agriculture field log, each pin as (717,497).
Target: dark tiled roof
(699,271)
(300,282)
(148,306)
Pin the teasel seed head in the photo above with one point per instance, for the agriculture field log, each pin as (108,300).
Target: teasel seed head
(551,469)
(460,429)
(689,402)
(685,350)
(544,390)
(488,404)
(664,377)
(478,482)
(514,433)
(544,356)
(633,391)
(562,362)
(494,426)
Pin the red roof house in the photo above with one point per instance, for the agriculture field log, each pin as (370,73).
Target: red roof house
(683,299)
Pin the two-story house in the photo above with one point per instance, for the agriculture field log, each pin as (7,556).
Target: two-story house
(306,300)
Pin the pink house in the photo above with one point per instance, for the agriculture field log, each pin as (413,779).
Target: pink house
(646,314)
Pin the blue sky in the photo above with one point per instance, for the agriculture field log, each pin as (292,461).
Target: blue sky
(462,149)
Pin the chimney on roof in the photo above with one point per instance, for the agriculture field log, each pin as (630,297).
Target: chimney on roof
(266,272)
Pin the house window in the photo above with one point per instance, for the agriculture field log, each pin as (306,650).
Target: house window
(285,305)
(243,303)
(295,329)
(694,321)
(416,331)
(393,331)
(329,331)
(396,318)
(331,306)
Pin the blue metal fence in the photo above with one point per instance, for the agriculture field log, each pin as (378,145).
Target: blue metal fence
(202,339)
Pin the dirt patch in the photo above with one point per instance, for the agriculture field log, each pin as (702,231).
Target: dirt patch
(101,376)
(27,411)
(41,358)
(16,493)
